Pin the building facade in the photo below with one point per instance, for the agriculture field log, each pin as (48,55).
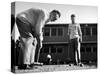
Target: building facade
(55,43)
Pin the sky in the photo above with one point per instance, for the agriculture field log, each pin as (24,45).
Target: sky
(84,14)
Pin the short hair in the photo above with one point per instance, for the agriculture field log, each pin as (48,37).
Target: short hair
(56,11)
(73,15)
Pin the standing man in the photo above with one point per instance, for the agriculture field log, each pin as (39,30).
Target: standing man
(30,24)
(75,36)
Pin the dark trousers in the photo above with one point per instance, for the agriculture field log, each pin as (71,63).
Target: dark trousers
(75,48)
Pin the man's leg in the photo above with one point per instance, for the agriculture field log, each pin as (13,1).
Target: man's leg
(78,56)
(76,51)
(33,50)
(72,50)
(27,50)
(38,47)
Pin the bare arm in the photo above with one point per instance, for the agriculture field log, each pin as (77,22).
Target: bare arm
(80,33)
(68,33)
(39,26)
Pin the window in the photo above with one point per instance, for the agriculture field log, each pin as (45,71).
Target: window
(88,31)
(60,32)
(94,31)
(53,50)
(88,49)
(83,31)
(53,32)
(46,50)
(95,49)
(82,49)
(59,50)
(46,32)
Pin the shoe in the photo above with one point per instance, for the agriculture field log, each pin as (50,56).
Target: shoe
(81,65)
(70,65)
(38,64)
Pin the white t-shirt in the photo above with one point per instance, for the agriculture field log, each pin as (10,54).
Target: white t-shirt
(74,30)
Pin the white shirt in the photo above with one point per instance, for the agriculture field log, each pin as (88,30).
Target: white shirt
(74,31)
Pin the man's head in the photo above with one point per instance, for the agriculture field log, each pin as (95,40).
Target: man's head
(73,18)
(54,15)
